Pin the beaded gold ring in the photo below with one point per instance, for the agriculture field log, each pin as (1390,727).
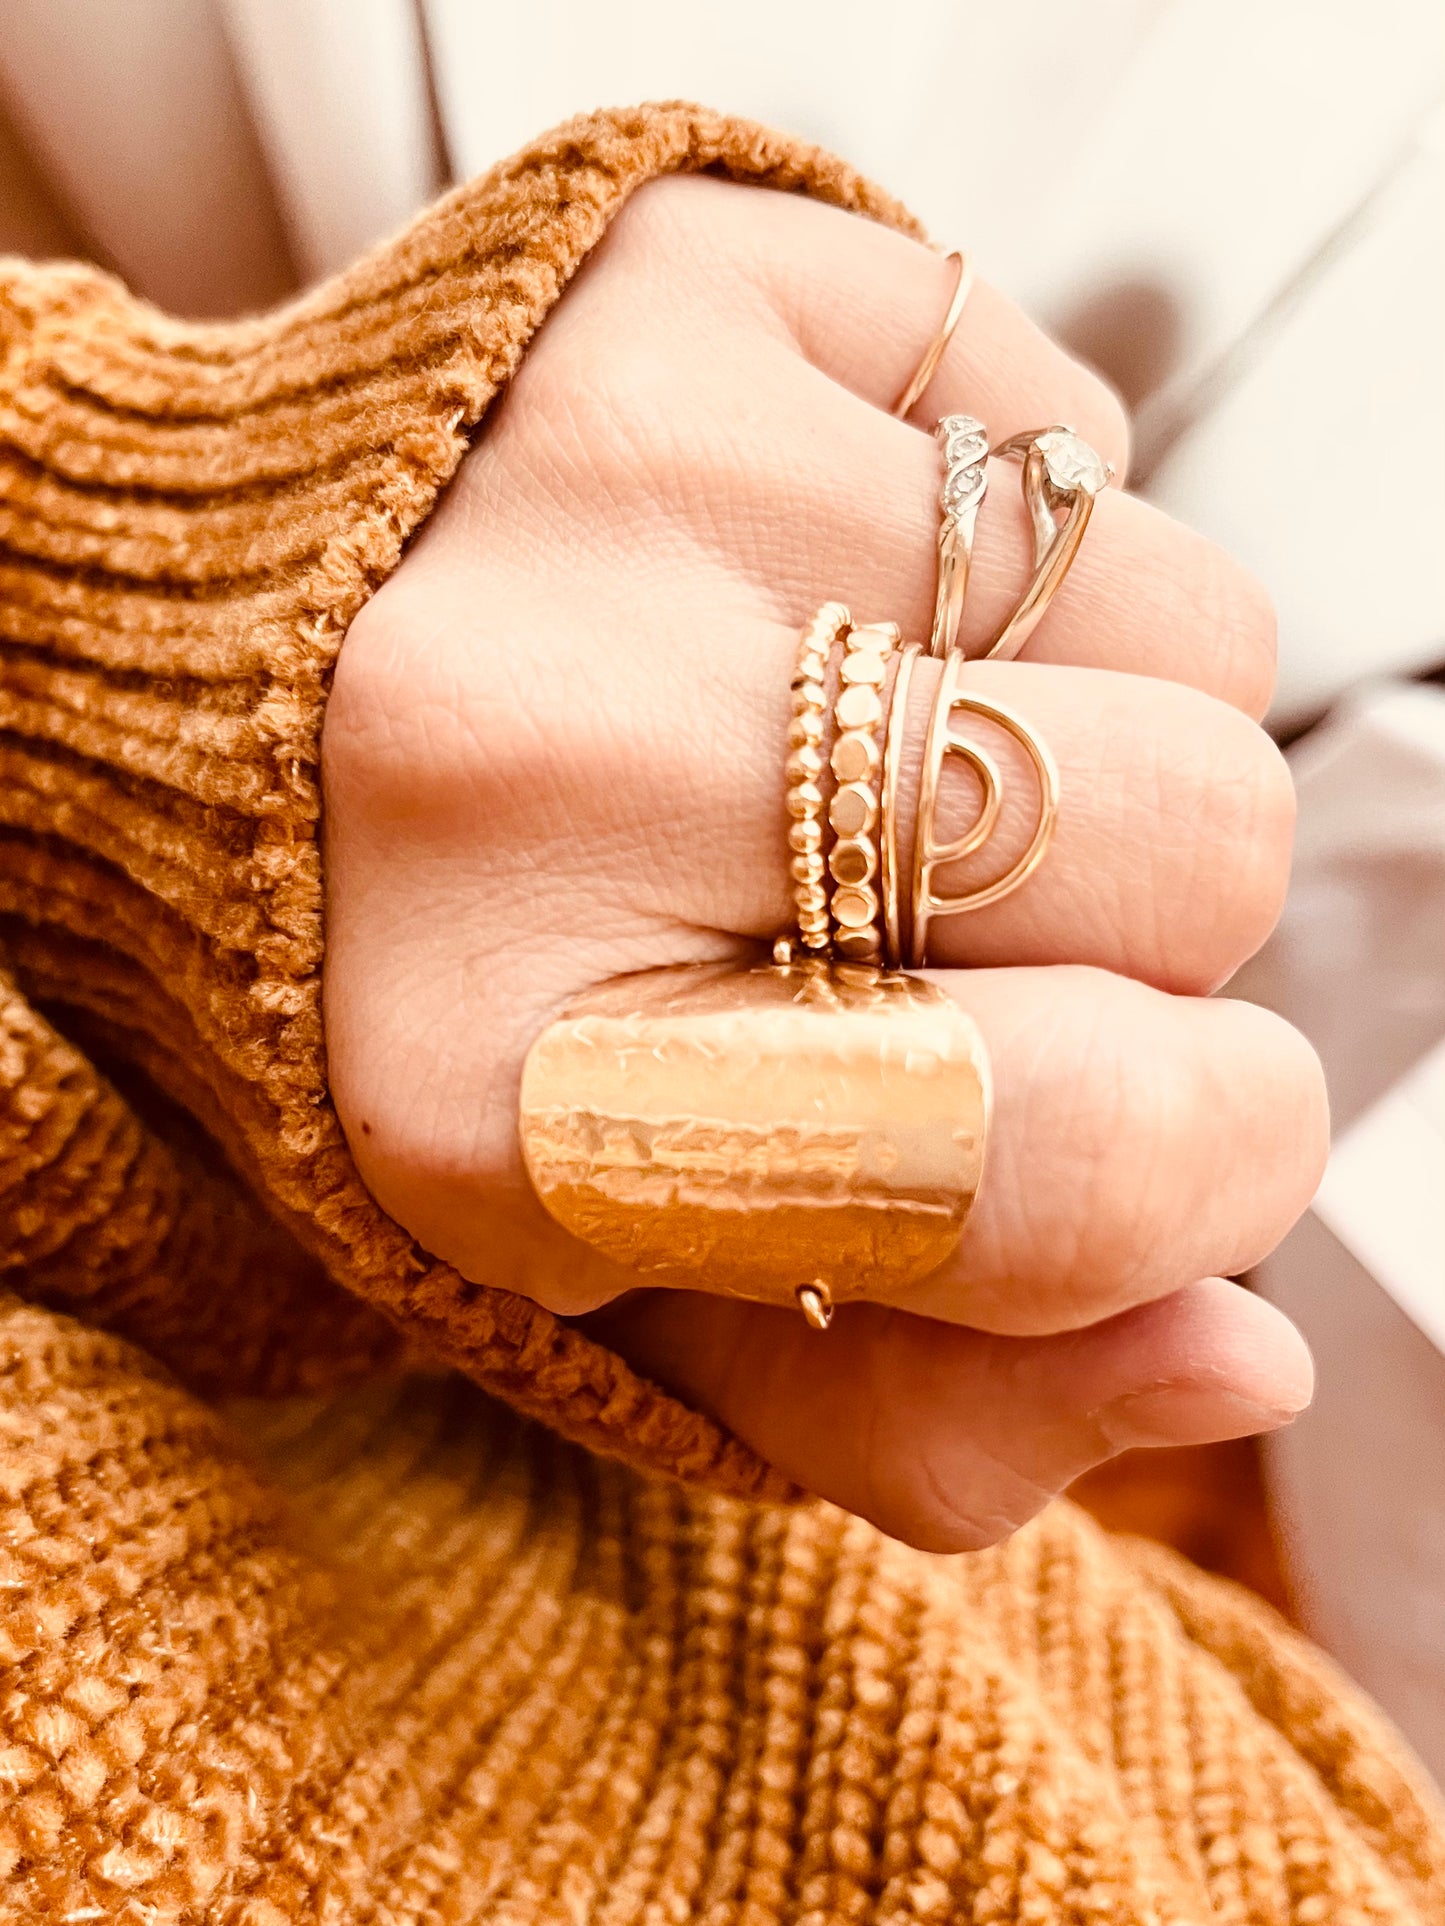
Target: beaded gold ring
(807,759)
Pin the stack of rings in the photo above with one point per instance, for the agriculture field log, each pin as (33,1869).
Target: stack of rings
(812,1129)
(1061,477)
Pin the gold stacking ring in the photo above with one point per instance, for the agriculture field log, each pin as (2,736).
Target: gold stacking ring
(937,347)
(807,759)
(853,812)
(1062,475)
(811,1129)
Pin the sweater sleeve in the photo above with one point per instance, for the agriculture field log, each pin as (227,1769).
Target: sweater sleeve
(190,517)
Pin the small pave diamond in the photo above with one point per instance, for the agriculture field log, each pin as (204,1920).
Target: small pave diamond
(1071,464)
(963,438)
(963,488)
(965,451)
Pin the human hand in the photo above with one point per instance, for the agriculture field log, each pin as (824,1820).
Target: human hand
(554,753)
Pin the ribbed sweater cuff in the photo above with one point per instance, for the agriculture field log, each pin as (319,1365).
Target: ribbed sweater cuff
(190,517)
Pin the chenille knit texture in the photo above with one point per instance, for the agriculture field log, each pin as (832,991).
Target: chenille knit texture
(298,1620)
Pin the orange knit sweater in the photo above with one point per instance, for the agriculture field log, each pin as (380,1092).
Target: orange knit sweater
(369,1646)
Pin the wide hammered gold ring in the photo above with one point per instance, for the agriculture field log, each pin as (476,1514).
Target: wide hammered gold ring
(800,1133)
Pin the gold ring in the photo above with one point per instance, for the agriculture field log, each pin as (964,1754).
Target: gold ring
(934,353)
(893,947)
(807,759)
(929,854)
(1062,475)
(854,808)
(964,441)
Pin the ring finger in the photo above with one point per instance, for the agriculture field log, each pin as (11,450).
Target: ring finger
(1168,864)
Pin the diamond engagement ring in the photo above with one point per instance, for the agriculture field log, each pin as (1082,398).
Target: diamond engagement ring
(1062,475)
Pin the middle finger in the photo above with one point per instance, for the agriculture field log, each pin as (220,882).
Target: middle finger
(859,495)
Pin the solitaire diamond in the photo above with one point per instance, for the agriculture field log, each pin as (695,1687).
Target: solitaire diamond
(1071,464)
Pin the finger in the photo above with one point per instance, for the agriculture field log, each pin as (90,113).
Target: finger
(1144,594)
(1137,1141)
(1171,854)
(949,1438)
(863,302)
(1170,859)
(830,499)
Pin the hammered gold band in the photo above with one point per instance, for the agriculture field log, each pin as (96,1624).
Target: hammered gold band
(807,759)
(801,1134)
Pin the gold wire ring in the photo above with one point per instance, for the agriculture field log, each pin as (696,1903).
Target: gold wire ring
(929,855)
(937,347)
(1061,472)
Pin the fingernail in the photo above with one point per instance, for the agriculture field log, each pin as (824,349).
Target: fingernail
(1188,1414)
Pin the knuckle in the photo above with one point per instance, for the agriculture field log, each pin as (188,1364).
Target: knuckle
(393,725)
(930,1478)
(667,216)
(920,1497)
(1292,1102)
(1219,846)
(605,416)
(1254,807)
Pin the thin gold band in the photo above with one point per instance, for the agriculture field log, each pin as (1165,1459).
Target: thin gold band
(854,809)
(893,936)
(938,346)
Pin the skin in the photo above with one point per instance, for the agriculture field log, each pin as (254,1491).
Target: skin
(554,753)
